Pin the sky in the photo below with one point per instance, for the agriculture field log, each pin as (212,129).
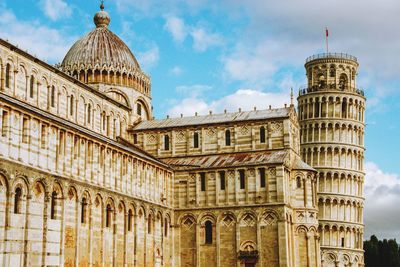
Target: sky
(213,55)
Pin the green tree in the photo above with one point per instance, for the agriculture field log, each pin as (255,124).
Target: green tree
(379,253)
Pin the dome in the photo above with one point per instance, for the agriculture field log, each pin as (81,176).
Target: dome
(100,49)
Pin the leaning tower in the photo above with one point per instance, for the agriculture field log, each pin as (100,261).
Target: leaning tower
(331,115)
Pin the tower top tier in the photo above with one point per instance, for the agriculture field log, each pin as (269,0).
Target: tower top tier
(331,56)
(331,72)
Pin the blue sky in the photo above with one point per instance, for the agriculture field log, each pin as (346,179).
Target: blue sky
(214,55)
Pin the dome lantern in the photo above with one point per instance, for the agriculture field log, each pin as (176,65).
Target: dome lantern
(101,18)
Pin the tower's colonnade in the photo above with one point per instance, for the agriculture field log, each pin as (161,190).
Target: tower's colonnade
(331,115)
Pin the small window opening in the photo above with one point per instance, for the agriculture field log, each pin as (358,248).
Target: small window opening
(83,210)
(130,215)
(108,215)
(298,182)
(196,140)
(53,205)
(262,177)
(166,142)
(262,134)
(227,137)
(209,232)
(17,201)
(242,179)
(222,180)
(203,181)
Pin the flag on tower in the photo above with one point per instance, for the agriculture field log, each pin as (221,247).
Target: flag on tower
(326,39)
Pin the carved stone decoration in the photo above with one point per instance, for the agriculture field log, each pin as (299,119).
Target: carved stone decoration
(244,130)
(269,219)
(211,132)
(34,126)
(248,220)
(71,193)
(228,221)
(192,177)
(276,127)
(300,216)
(16,118)
(272,171)
(251,172)
(151,139)
(188,222)
(180,136)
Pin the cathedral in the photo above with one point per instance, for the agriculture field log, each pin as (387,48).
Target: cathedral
(88,177)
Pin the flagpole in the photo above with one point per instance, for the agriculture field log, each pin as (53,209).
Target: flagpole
(326,36)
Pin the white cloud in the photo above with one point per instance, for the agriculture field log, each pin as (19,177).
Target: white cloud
(149,58)
(246,99)
(42,41)
(202,39)
(176,27)
(193,91)
(55,9)
(382,193)
(176,71)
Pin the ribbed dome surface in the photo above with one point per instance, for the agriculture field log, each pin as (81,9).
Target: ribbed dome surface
(100,47)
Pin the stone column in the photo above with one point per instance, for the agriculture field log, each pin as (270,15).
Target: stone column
(309,259)
(198,243)
(135,239)
(237,241)
(217,188)
(2,80)
(218,241)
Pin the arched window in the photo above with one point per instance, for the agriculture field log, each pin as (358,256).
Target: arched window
(227,137)
(71,105)
(166,142)
(316,108)
(343,81)
(139,109)
(344,108)
(209,232)
(298,182)
(321,80)
(53,205)
(83,210)
(332,71)
(104,121)
(196,140)
(149,223)
(166,227)
(108,215)
(242,179)
(130,215)
(17,200)
(53,96)
(8,74)
(31,89)
(262,134)
(89,113)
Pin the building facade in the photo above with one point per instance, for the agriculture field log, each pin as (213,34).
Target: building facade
(89,178)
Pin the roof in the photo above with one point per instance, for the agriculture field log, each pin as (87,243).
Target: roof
(298,164)
(100,49)
(214,119)
(77,128)
(242,159)
(229,160)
